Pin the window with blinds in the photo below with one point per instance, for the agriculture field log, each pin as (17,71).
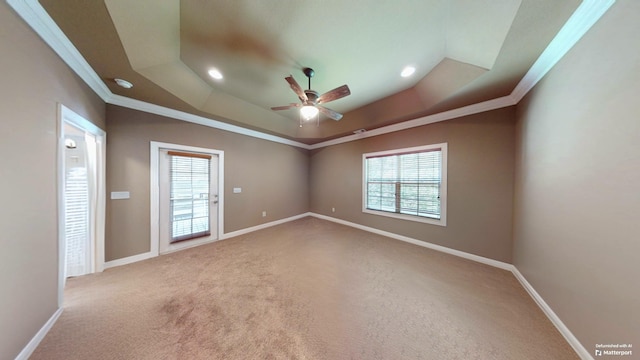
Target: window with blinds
(406,183)
(189,181)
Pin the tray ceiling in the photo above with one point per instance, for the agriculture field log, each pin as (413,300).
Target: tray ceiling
(464,52)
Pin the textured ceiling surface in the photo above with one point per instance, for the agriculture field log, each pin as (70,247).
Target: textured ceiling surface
(464,51)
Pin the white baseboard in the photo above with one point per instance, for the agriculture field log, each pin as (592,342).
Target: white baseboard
(263,226)
(129,260)
(35,341)
(462,254)
(546,309)
(564,330)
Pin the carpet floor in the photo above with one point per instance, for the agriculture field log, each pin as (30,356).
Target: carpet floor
(307,289)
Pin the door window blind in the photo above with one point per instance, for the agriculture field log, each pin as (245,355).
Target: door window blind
(189,195)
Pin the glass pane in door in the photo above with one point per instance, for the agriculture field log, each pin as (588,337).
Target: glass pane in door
(189,197)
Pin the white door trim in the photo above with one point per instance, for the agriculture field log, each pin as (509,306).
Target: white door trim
(154,186)
(68,116)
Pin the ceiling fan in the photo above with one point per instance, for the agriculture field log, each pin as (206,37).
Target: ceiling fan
(310,102)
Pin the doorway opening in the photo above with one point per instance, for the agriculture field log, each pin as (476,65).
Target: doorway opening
(81,197)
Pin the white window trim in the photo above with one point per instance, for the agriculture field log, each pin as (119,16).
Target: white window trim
(443,187)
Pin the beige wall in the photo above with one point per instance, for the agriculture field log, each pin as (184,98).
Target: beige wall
(273,177)
(480,186)
(577,233)
(34,81)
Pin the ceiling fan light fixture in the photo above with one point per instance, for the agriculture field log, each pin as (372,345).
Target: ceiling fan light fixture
(308,112)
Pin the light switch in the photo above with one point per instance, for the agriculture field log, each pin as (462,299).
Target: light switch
(237,190)
(119,195)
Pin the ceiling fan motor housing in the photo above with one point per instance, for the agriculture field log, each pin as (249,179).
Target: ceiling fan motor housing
(312,97)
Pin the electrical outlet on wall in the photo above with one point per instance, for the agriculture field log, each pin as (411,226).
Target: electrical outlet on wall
(264,214)
(333,209)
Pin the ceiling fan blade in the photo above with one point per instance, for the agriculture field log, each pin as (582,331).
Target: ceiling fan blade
(330,113)
(334,94)
(296,88)
(285,107)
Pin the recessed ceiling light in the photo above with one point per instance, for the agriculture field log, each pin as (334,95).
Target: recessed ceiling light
(408,71)
(123,83)
(215,73)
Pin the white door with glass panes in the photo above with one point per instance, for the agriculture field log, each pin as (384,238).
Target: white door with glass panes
(188,199)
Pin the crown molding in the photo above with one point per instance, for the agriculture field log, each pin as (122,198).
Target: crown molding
(200,120)
(35,16)
(498,103)
(585,16)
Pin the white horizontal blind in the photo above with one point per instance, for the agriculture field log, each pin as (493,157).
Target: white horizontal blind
(76,226)
(408,183)
(189,196)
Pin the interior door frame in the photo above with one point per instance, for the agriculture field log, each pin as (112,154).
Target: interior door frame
(69,117)
(154,173)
